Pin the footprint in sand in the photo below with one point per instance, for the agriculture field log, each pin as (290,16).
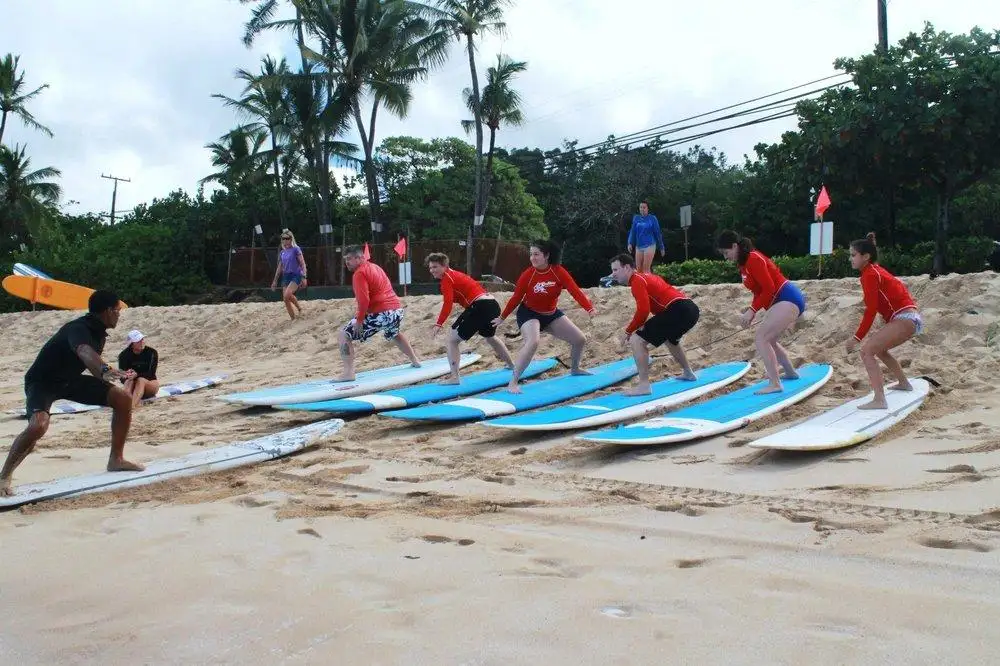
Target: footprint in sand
(691,564)
(952,544)
(310,532)
(437,538)
(955,469)
(683,509)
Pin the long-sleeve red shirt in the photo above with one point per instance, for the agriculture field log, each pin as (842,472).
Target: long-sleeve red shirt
(373,290)
(457,286)
(653,295)
(763,278)
(884,293)
(540,290)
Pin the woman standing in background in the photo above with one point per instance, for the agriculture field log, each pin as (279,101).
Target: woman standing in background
(644,237)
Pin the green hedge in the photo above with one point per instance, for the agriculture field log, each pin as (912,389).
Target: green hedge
(965,255)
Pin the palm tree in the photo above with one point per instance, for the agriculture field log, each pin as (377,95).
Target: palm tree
(238,155)
(466,19)
(500,105)
(26,196)
(262,18)
(13,99)
(263,102)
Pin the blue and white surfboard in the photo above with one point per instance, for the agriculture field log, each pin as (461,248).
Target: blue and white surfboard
(422,394)
(534,394)
(29,271)
(718,415)
(617,407)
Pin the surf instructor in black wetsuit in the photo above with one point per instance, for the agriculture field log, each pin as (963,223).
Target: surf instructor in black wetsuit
(57,373)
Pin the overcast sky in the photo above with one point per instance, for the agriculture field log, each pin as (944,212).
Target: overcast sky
(131,80)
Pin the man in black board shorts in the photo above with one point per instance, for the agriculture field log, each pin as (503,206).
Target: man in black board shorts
(57,374)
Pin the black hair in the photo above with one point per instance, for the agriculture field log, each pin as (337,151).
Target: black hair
(744,245)
(548,248)
(102,300)
(867,246)
(355,250)
(624,259)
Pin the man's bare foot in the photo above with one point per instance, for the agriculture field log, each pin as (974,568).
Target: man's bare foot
(874,404)
(123,465)
(5,488)
(639,389)
(789,375)
(345,378)
(770,388)
(687,377)
(451,381)
(513,388)
(580,372)
(415,364)
(901,386)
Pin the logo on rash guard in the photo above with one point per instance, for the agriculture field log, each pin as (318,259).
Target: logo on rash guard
(543,287)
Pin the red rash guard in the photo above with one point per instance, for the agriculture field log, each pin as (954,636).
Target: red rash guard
(652,294)
(457,286)
(373,291)
(763,278)
(884,294)
(540,291)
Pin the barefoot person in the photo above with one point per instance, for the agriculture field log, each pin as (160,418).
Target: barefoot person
(142,360)
(674,314)
(884,294)
(644,237)
(536,297)
(480,311)
(378,309)
(782,299)
(56,374)
(291,271)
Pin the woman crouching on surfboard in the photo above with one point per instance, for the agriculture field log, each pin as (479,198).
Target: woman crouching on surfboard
(772,291)
(886,295)
(536,298)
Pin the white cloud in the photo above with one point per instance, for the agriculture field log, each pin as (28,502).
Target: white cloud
(131,82)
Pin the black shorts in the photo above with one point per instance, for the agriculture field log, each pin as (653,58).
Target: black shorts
(85,389)
(478,318)
(671,324)
(525,314)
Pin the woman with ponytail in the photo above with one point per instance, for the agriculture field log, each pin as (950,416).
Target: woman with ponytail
(291,271)
(884,294)
(771,291)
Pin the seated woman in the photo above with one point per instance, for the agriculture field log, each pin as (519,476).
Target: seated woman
(141,360)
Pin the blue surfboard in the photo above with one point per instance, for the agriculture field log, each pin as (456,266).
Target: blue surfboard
(364,382)
(718,415)
(422,394)
(29,271)
(535,394)
(617,407)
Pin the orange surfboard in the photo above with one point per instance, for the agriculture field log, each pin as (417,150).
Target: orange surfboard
(57,294)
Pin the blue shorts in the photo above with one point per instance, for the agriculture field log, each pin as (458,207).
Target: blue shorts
(289,278)
(790,293)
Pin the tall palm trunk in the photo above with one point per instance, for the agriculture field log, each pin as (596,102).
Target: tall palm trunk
(371,178)
(478,115)
(3,125)
(488,175)
(282,206)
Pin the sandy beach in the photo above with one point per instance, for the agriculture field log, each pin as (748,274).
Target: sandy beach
(393,543)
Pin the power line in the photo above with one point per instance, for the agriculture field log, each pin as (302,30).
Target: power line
(114,193)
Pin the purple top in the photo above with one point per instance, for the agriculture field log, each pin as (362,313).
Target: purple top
(290,260)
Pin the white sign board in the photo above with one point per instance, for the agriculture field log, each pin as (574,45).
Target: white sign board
(818,230)
(685,217)
(258,230)
(326,228)
(404,273)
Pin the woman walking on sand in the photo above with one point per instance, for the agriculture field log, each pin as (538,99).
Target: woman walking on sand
(291,271)
(644,237)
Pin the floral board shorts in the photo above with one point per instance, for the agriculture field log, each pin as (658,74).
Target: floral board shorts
(915,317)
(387,321)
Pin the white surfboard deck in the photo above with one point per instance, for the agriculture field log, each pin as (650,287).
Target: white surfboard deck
(370,381)
(236,454)
(846,425)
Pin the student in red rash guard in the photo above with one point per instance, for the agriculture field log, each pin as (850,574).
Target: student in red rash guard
(884,294)
(536,298)
(378,309)
(781,297)
(480,309)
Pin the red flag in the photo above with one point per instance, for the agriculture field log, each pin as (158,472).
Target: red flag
(400,247)
(367,252)
(822,202)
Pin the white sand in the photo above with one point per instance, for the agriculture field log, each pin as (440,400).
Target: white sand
(396,544)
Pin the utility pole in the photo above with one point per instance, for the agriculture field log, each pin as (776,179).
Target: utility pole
(114,193)
(883,27)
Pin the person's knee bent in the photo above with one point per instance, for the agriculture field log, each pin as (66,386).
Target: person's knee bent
(868,350)
(119,400)
(38,425)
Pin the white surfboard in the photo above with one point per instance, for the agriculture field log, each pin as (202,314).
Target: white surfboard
(847,425)
(371,381)
(236,454)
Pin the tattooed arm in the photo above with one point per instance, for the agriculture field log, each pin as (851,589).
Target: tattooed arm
(96,365)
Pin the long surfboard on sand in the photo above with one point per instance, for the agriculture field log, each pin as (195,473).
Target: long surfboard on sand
(30,271)
(617,407)
(54,293)
(370,381)
(236,454)
(717,415)
(179,388)
(412,396)
(846,425)
(534,394)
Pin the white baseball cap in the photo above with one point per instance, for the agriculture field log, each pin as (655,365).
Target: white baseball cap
(135,335)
